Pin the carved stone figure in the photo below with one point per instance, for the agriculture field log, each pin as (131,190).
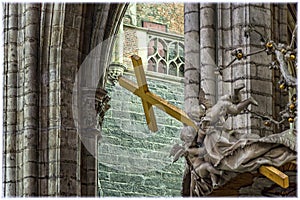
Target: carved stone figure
(203,169)
(211,150)
(228,104)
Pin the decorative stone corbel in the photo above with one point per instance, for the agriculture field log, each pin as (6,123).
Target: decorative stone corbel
(114,71)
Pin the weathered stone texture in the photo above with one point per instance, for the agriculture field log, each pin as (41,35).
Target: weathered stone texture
(222,30)
(231,22)
(279,18)
(44,47)
(45,44)
(10,69)
(170,14)
(133,161)
(192,57)
(131,44)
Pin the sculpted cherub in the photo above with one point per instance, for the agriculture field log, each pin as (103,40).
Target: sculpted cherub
(227,104)
(188,136)
(193,148)
(200,168)
(194,155)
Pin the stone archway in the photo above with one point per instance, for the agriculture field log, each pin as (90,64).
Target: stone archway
(44,45)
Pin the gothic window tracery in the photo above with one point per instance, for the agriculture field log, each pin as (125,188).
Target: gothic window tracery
(165,55)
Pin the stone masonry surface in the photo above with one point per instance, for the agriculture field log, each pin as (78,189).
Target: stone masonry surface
(133,161)
(170,14)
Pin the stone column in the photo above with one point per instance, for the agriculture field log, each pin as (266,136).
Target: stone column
(31,98)
(44,45)
(200,51)
(192,58)
(221,29)
(10,99)
(44,117)
(208,38)
(254,71)
(22,100)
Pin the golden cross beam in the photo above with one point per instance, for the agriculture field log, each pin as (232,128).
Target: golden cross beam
(275,175)
(149,99)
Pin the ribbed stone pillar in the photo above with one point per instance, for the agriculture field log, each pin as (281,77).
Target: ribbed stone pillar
(208,50)
(254,71)
(200,59)
(10,100)
(31,103)
(44,46)
(45,95)
(218,29)
(192,57)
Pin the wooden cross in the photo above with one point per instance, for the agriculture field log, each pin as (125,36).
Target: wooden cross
(275,175)
(149,100)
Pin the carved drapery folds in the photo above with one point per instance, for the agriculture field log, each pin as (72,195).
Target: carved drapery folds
(231,139)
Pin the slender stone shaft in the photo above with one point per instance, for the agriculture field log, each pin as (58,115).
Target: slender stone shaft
(11,68)
(192,57)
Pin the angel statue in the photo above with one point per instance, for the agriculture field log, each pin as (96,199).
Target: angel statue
(227,104)
(213,156)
